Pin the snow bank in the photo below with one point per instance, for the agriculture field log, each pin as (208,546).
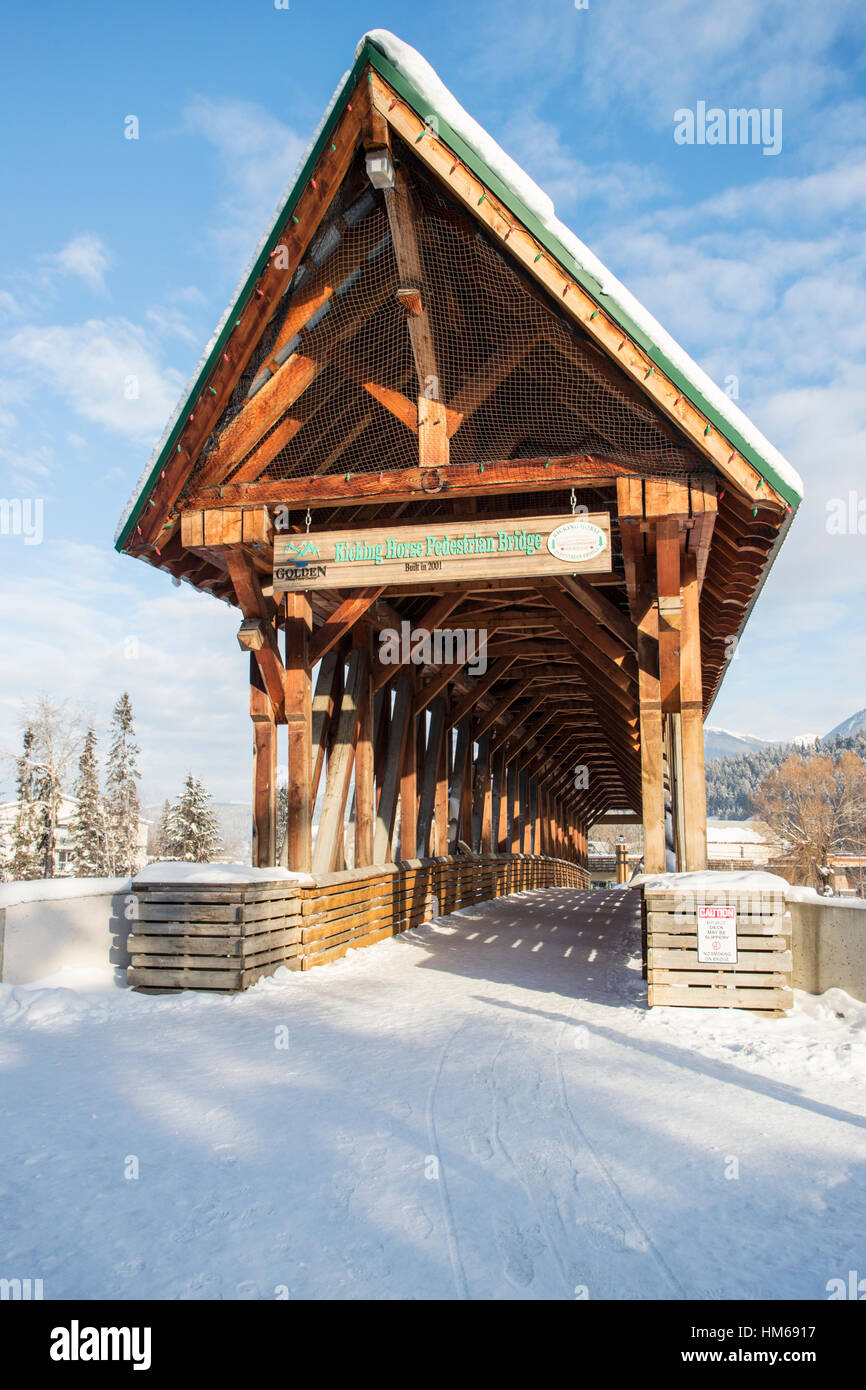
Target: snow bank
(178,871)
(809,895)
(56,889)
(743,880)
(431,88)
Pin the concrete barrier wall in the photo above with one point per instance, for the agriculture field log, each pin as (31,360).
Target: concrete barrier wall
(41,937)
(829,945)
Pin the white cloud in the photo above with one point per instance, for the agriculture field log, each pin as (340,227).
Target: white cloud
(107,370)
(587,189)
(258,154)
(86,257)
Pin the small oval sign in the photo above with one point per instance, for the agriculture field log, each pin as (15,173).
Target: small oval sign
(577,541)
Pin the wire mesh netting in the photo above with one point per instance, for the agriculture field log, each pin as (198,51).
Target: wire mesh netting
(334,384)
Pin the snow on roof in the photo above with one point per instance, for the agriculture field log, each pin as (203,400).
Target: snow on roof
(55,889)
(430,87)
(172,871)
(734,832)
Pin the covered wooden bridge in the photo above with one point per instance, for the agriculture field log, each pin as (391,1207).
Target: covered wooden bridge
(493,537)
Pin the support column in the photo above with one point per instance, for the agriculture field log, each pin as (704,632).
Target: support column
(651,752)
(364,781)
(499,803)
(409,784)
(299,717)
(694,789)
(264,849)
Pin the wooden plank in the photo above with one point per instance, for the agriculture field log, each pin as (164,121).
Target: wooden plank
(429,775)
(733,977)
(694,791)
(389,776)
(768,924)
(692,996)
(298,708)
(666,959)
(330,832)
(689,941)
(364,767)
(264,845)
(344,617)
(439,550)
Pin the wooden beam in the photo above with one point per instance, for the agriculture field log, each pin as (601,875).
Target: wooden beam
(264,846)
(670,603)
(364,770)
(405,484)
(429,776)
(344,616)
(409,784)
(329,838)
(692,721)
(298,709)
(389,776)
(254,604)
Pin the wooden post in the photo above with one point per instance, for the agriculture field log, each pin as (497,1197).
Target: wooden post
(409,784)
(481,807)
(455,799)
(497,802)
(389,774)
(429,775)
(651,743)
(525,823)
(364,788)
(694,791)
(299,717)
(264,849)
(443,774)
(329,840)
(513,810)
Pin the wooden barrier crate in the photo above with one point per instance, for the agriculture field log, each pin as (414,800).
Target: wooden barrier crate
(227,936)
(219,936)
(761,977)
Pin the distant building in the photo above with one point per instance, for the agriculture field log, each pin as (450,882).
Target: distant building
(735,843)
(64,851)
(601,861)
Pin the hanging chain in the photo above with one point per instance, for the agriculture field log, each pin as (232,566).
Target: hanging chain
(573,502)
(308,520)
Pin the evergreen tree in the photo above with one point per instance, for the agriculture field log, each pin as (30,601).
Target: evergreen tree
(159,843)
(24,860)
(194,834)
(122,810)
(88,828)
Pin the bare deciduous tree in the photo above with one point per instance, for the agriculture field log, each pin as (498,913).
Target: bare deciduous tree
(817,806)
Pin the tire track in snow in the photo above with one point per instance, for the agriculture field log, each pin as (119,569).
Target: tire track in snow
(643,1234)
(503,1147)
(457,1270)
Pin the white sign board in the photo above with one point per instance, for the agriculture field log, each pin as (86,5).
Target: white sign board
(717,935)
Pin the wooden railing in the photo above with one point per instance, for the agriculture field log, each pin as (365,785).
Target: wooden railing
(227,936)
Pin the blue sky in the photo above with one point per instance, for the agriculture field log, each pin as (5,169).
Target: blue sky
(118,256)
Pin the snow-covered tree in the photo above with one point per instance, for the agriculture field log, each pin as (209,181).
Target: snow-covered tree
(194,832)
(23,861)
(88,827)
(57,735)
(159,841)
(122,810)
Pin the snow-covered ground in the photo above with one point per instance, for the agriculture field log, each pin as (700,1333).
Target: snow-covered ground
(481,1108)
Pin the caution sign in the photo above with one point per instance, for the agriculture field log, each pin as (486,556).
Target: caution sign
(717,935)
